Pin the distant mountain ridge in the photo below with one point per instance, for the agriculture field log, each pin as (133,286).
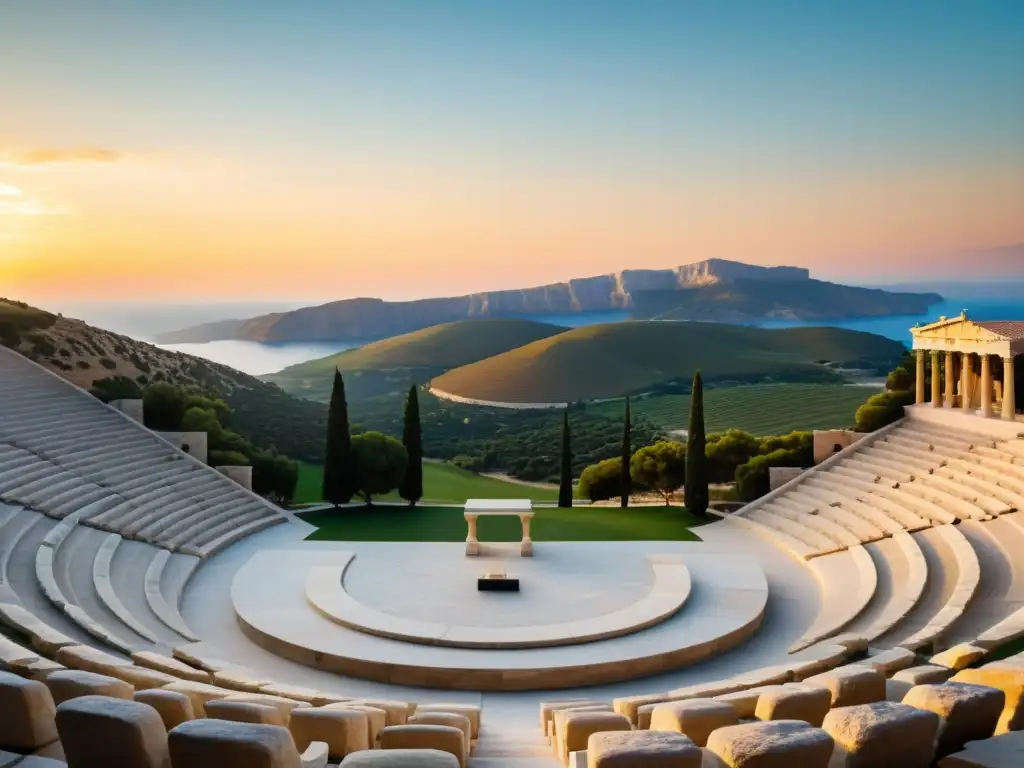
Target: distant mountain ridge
(368,318)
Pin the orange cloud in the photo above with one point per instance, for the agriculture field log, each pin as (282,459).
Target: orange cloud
(73,156)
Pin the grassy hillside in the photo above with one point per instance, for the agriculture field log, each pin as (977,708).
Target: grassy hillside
(417,356)
(761,409)
(616,359)
(448,345)
(83,354)
(442,483)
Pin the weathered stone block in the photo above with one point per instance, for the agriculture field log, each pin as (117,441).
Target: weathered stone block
(246,712)
(397,711)
(579,726)
(231,745)
(401,758)
(852,685)
(795,702)
(642,749)
(101,731)
(745,702)
(170,665)
(882,734)
(968,712)
(449,719)
(779,744)
(437,737)
(559,718)
(28,710)
(1010,680)
(470,711)
(924,675)
(998,752)
(959,656)
(174,708)
(696,718)
(343,730)
(90,659)
(198,693)
(376,720)
(890,661)
(71,683)
(280,703)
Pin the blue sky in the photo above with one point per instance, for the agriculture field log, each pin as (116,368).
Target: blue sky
(679,101)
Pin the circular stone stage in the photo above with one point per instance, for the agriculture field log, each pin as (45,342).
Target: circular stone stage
(412,614)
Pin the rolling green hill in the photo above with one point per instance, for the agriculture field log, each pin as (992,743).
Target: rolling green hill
(390,364)
(612,360)
(448,345)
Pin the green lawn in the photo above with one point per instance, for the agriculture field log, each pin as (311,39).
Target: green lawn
(761,409)
(394,523)
(441,483)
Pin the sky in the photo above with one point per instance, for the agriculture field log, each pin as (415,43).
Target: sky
(268,150)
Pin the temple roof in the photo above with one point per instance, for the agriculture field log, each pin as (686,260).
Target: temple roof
(962,334)
(1011,330)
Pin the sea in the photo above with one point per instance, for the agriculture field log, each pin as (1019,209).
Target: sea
(144,321)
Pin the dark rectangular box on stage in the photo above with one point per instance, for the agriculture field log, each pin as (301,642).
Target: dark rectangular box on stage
(497,585)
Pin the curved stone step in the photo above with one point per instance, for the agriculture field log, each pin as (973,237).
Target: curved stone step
(968,575)
(812,520)
(877,519)
(909,518)
(101,576)
(902,575)
(167,613)
(847,581)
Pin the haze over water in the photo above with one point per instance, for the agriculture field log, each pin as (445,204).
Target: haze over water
(143,321)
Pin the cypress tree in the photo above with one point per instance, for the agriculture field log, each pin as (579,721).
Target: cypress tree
(625,484)
(565,481)
(411,488)
(339,466)
(696,458)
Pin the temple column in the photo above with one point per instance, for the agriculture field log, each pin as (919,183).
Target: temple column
(950,399)
(986,386)
(1009,395)
(965,381)
(936,381)
(919,399)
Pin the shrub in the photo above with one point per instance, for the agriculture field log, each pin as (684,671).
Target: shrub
(106,362)
(882,409)
(115,388)
(227,459)
(753,479)
(660,467)
(728,450)
(602,480)
(380,463)
(273,474)
(163,406)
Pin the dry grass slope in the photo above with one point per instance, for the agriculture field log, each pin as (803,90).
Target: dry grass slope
(83,354)
(616,359)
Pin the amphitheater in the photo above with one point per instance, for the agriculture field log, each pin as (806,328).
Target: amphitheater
(155,613)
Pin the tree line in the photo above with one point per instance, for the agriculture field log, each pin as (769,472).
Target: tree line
(371,463)
(169,408)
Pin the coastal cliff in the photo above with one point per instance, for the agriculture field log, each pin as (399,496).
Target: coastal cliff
(644,292)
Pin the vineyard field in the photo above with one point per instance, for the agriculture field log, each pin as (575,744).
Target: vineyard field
(761,409)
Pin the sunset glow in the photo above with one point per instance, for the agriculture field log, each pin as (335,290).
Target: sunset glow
(418,149)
